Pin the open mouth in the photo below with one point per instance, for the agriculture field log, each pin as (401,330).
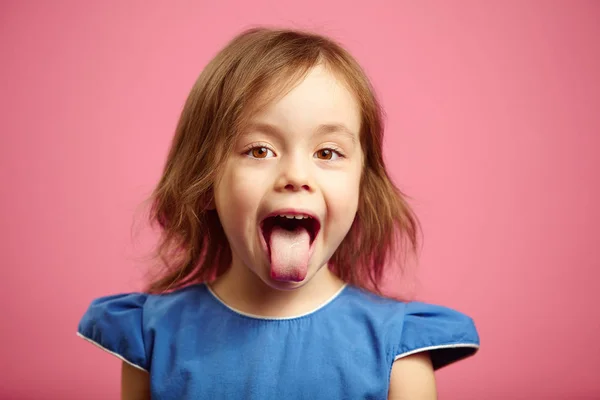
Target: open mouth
(288,237)
(291,223)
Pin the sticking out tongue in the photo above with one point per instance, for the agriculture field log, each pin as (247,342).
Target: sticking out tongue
(289,253)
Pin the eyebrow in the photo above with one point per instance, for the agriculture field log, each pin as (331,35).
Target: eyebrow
(336,128)
(322,129)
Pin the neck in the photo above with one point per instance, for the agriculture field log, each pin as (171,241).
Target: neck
(241,289)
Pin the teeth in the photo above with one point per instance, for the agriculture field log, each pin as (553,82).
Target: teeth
(299,216)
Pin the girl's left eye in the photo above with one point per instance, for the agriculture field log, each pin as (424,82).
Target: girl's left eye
(328,154)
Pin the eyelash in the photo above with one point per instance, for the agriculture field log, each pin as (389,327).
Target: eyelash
(253,146)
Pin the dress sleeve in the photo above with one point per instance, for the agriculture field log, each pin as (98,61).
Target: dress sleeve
(447,335)
(116,325)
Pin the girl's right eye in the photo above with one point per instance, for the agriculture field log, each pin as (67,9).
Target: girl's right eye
(260,152)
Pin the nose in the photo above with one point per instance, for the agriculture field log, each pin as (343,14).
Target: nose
(295,175)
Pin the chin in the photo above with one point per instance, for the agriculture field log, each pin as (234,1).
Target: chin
(284,285)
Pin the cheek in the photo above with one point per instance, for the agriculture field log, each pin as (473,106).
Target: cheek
(237,194)
(342,196)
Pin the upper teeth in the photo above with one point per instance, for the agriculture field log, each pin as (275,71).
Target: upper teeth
(297,216)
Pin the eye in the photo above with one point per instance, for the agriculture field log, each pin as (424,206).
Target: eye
(328,154)
(260,152)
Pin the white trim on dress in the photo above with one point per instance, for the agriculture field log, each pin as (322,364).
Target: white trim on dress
(443,346)
(276,318)
(110,352)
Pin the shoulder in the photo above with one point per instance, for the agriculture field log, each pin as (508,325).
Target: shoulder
(410,328)
(360,301)
(124,324)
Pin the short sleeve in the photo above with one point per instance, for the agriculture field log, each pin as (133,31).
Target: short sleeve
(447,335)
(115,324)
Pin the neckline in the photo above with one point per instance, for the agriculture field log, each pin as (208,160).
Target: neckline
(264,318)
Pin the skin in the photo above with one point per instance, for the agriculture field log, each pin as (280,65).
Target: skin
(412,378)
(301,152)
(135,383)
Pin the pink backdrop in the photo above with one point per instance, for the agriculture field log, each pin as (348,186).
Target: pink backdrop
(493,129)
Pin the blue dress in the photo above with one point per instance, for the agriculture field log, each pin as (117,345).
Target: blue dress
(194,346)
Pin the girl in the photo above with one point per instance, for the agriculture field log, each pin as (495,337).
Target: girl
(278,217)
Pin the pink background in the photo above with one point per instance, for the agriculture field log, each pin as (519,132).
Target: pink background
(493,129)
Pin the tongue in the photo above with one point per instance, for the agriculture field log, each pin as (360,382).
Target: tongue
(289,253)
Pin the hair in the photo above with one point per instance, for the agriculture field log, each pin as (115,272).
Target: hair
(254,68)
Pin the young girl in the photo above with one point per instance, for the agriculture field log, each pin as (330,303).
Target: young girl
(278,217)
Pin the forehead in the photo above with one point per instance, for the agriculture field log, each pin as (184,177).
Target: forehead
(318,101)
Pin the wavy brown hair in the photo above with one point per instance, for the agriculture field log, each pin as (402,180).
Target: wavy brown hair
(256,67)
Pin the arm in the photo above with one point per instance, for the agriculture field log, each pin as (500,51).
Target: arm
(135,383)
(412,377)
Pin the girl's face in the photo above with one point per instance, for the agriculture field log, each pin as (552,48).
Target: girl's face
(301,158)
